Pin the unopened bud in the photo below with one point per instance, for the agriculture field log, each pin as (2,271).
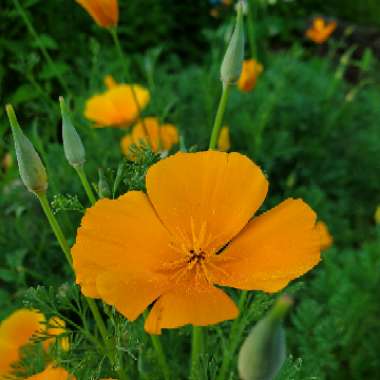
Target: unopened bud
(104,190)
(263,352)
(72,143)
(233,59)
(32,171)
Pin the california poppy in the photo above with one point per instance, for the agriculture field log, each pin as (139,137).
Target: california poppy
(15,332)
(250,72)
(104,12)
(161,137)
(190,233)
(52,373)
(325,237)
(320,31)
(117,106)
(224,143)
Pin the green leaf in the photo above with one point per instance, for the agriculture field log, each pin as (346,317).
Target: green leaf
(23,94)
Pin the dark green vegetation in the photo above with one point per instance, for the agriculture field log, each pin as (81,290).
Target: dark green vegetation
(312,123)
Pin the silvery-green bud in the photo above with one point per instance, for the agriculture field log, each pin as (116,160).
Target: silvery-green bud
(32,171)
(72,143)
(263,352)
(233,59)
(104,190)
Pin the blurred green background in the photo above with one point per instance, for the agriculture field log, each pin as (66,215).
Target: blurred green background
(312,123)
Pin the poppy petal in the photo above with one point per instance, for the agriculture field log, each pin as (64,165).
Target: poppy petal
(183,306)
(206,198)
(123,236)
(274,248)
(129,294)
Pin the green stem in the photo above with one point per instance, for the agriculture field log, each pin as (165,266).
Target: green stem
(35,35)
(161,356)
(234,340)
(251,28)
(55,226)
(219,117)
(91,303)
(196,352)
(127,74)
(86,185)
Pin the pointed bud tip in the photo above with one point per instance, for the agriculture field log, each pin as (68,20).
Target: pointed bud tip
(32,171)
(72,143)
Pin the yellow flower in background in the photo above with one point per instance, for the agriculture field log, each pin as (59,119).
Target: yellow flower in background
(324,235)
(56,327)
(250,72)
(104,12)
(190,234)
(224,144)
(52,373)
(15,332)
(7,162)
(161,137)
(377,215)
(116,107)
(320,31)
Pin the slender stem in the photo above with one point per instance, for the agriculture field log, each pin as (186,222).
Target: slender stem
(91,303)
(234,339)
(35,35)
(251,28)
(127,74)
(161,356)
(55,226)
(196,351)
(86,185)
(219,117)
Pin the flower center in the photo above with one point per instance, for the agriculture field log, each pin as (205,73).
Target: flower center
(195,257)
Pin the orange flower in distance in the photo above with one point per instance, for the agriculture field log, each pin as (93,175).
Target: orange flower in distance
(15,332)
(326,240)
(191,232)
(52,373)
(250,72)
(320,31)
(104,12)
(224,143)
(55,328)
(117,106)
(161,137)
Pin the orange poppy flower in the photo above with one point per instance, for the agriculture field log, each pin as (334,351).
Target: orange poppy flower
(117,106)
(320,31)
(15,332)
(161,138)
(326,239)
(53,373)
(104,12)
(190,233)
(224,144)
(250,72)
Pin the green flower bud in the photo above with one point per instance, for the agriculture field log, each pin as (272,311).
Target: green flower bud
(104,190)
(233,59)
(263,352)
(32,171)
(72,143)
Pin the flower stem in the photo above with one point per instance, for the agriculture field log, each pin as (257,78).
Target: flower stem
(161,356)
(251,28)
(35,35)
(196,352)
(86,185)
(91,303)
(127,74)
(234,340)
(219,117)
(55,226)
